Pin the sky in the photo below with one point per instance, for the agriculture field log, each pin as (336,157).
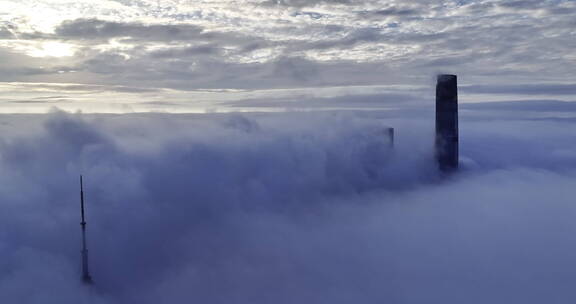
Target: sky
(238,152)
(246,55)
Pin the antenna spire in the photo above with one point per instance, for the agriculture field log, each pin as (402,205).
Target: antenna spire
(86,278)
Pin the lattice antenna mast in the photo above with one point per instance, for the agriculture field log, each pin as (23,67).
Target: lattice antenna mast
(86,278)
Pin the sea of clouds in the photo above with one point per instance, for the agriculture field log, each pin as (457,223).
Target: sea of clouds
(286,208)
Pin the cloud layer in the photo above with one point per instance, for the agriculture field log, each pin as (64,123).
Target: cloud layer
(300,207)
(272,44)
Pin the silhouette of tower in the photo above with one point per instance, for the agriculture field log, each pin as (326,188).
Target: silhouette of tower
(447,123)
(86,278)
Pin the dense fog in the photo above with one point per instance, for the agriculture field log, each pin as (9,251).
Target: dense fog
(286,208)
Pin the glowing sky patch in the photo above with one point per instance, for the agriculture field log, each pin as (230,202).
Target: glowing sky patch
(52,49)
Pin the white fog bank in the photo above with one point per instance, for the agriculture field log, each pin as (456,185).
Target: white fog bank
(295,207)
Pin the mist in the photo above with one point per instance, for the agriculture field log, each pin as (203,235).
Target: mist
(288,207)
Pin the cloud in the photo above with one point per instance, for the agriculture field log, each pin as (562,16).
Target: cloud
(347,101)
(304,3)
(187,52)
(132,32)
(291,207)
(523,89)
(522,4)
(220,44)
(541,106)
(394,11)
(297,207)
(100,29)
(6,32)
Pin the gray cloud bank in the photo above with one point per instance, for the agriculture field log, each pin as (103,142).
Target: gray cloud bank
(303,207)
(285,44)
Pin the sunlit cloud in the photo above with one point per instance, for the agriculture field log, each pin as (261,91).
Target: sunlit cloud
(51,49)
(262,44)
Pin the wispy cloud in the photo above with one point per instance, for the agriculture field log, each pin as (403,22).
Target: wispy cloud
(242,44)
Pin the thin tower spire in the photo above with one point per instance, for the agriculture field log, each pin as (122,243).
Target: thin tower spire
(86,278)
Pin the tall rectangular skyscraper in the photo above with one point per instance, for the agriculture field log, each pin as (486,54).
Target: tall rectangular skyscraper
(447,122)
